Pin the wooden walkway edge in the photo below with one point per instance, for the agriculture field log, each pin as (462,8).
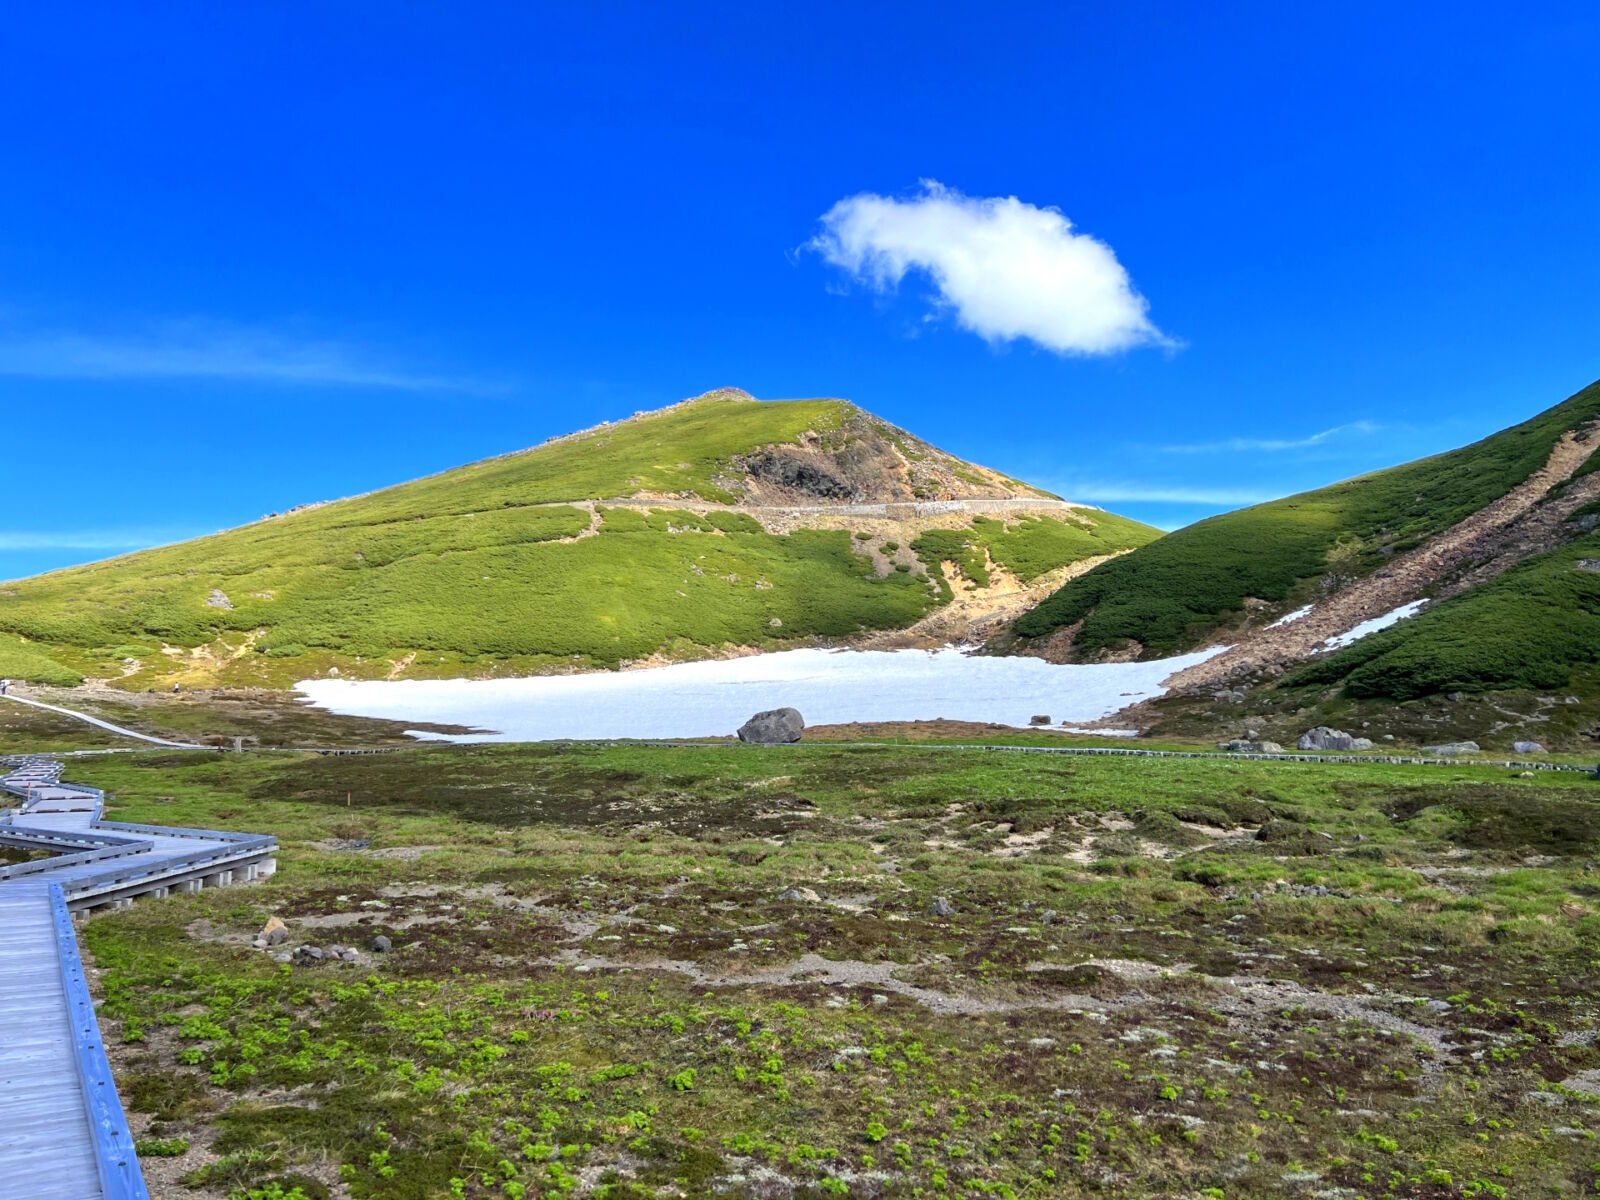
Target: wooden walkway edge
(63,1133)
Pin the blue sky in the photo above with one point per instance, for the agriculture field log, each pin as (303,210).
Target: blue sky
(252,256)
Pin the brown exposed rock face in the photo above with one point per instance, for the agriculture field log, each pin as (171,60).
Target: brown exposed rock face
(805,472)
(865,461)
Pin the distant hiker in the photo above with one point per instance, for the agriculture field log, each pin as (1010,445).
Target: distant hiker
(5,686)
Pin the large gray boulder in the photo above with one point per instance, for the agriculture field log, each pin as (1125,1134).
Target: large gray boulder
(1323,738)
(773,728)
(1250,746)
(1527,748)
(1450,748)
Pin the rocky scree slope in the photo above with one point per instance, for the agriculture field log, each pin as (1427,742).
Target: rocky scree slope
(1449,526)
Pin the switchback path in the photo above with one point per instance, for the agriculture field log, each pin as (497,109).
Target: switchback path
(107,725)
(63,1135)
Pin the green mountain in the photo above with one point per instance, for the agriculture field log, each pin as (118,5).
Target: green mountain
(719,523)
(1500,535)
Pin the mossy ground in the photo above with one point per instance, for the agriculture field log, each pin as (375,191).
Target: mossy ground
(596,989)
(1565,720)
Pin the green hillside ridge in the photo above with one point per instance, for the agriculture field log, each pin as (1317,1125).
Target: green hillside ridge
(1174,594)
(675,451)
(506,566)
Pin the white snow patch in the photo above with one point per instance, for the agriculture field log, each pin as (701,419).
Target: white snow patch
(1338,641)
(1290,618)
(707,699)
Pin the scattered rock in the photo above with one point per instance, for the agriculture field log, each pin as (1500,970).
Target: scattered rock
(799,895)
(1454,697)
(1571,700)
(219,599)
(1361,743)
(942,907)
(343,844)
(1527,748)
(1324,738)
(1282,887)
(1250,746)
(879,1000)
(305,956)
(1039,719)
(774,727)
(1446,749)
(381,944)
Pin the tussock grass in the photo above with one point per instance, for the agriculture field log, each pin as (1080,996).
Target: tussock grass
(1394,1003)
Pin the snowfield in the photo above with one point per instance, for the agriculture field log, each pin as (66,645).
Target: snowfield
(707,699)
(1339,641)
(1291,618)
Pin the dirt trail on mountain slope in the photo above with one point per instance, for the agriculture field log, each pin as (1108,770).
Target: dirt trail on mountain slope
(974,615)
(1497,529)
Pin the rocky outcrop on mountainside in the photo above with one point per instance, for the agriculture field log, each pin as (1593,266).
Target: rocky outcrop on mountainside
(1324,738)
(863,461)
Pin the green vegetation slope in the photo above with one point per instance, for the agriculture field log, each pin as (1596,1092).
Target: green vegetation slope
(1532,628)
(1176,593)
(669,534)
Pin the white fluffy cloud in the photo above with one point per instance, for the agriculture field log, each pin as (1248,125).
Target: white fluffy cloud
(1005,269)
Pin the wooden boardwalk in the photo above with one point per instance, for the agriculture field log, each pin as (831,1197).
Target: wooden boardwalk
(48,1148)
(63,1135)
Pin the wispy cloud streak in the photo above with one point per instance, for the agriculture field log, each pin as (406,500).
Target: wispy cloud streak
(88,539)
(1158,493)
(1273,445)
(205,350)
